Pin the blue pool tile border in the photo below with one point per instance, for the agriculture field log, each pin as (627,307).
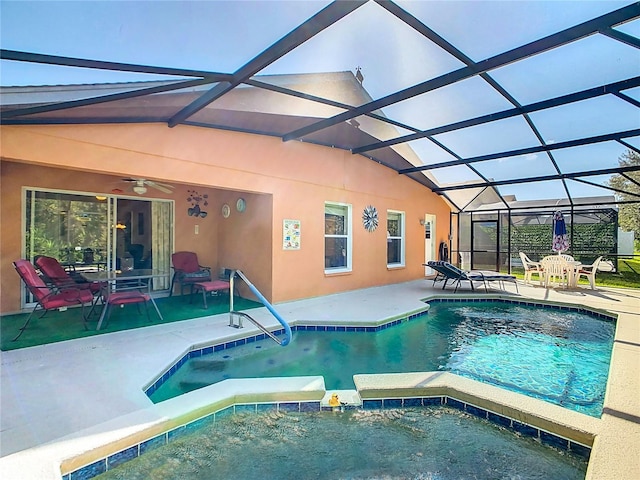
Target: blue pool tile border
(198,352)
(523,429)
(528,303)
(101,466)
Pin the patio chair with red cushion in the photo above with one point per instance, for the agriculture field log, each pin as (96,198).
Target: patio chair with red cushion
(55,274)
(187,271)
(48,298)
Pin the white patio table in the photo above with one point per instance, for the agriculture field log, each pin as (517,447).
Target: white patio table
(573,267)
(557,266)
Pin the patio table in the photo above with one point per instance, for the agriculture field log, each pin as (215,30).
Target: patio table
(573,267)
(122,281)
(554,265)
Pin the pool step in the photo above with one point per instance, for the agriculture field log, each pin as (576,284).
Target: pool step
(202,375)
(208,364)
(346,398)
(190,385)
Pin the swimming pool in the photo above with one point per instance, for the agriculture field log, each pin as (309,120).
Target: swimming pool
(558,355)
(432,442)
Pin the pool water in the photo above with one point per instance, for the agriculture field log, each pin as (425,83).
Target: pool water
(421,443)
(558,356)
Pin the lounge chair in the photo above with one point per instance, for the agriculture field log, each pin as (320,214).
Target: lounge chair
(451,272)
(48,298)
(439,275)
(54,274)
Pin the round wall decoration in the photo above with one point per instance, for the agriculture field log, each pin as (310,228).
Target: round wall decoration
(241,205)
(370,218)
(226,211)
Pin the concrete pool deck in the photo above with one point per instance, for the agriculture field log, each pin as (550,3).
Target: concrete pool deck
(59,399)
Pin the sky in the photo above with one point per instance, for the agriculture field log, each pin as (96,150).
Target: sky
(221,36)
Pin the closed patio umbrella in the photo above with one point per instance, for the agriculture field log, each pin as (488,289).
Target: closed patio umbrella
(560,239)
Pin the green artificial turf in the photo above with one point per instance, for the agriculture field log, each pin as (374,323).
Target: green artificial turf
(627,276)
(57,326)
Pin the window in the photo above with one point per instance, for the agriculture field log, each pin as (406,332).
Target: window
(337,237)
(395,239)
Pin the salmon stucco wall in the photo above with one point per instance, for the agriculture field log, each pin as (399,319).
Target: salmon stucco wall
(244,240)
(279,180)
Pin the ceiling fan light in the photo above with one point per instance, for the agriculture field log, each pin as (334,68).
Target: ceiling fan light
(140,190)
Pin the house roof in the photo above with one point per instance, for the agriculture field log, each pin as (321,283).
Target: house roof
(505,100)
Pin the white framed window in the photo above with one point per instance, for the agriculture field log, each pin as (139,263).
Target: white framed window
(395,238)
(337,237)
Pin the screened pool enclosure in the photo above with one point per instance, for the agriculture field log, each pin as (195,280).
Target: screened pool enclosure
(492,240)
(509,102)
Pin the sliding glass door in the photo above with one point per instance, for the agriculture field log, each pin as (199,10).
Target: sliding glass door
(86,231)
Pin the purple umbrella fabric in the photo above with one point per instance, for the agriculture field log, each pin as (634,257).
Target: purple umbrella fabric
(560,238)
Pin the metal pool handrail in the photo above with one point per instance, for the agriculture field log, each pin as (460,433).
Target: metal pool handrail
(265,302)
(242,315)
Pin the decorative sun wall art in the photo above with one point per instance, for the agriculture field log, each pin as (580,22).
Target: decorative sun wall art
(370,218)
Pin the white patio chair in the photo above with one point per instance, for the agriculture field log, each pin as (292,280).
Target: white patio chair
(531,268)
(589,271)
(555,270)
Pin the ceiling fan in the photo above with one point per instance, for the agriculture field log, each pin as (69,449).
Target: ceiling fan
(140,185)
